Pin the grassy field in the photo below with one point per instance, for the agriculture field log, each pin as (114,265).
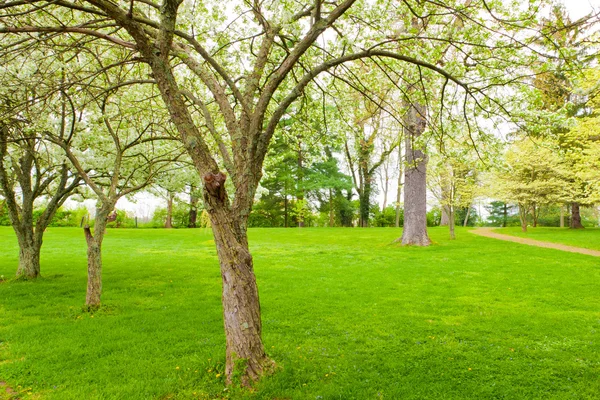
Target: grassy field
(347,315)
(588,238)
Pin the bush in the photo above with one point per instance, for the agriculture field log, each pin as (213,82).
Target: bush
(434,216)
(387,217)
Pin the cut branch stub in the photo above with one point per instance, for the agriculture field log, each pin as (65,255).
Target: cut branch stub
(214,187)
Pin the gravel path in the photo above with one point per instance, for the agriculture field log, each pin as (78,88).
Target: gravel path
(488,232)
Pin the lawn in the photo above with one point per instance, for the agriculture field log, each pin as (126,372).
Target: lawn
(588,238)
(347,315)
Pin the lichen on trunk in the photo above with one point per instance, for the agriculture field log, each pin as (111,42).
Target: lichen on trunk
(94,256)
(29,258)
(415,181)
(245,356)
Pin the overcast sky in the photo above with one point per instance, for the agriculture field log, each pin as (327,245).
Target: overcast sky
(579,8)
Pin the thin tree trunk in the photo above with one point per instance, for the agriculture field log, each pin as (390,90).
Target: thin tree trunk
(576,217)
(94,256)
(193,208)
(535,214)
(300,189)
(451,222)
(331,215)
(169,221)
(399,191)
(415,183)
(245,356)
(523,212)
(466,221)
(364,200)
(505,215)
(562,216)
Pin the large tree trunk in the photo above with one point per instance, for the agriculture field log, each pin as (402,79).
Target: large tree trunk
(445,220)
(94,256)
(575,217)
(29,255)
(245,355)
(415,184)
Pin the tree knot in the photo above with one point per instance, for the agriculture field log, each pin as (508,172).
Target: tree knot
(214,185)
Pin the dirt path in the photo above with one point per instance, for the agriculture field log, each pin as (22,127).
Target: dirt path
(487,232)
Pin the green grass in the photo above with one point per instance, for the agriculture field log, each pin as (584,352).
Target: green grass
(347,315)
(588,238)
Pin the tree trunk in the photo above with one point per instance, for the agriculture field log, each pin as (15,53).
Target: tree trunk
(169,221)
(94,256)
(445,221)
(562,216)
(534,215)
(29,255)
(466,221)
(193,208)
(365,202)
(415,183)
(300,188)
(399,191)
(505,215)
(523,212)
(451,222)
(245,356)
(331,215)
(576,217)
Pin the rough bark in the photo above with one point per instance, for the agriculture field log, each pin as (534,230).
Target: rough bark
(94,256)
(415,184)
(241,307)
(29,255)
(575,217)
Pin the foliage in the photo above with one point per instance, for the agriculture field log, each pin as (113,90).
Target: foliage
(181,212)
(387,217)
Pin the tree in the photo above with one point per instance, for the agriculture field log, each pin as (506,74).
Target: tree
(31,169)
(532,177)
(243,95)
(117,150)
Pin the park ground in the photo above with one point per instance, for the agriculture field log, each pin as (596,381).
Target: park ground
(347,314)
